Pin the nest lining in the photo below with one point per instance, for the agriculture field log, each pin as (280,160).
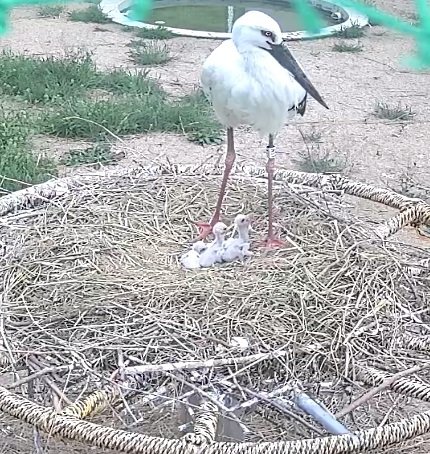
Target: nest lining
(96,272)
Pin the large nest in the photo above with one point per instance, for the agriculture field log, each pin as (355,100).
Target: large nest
(93,276)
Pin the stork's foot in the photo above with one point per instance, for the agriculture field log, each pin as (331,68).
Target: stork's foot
(273,242)
(205,229)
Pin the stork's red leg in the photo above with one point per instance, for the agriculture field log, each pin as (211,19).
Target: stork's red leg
(272,241)
(205,228)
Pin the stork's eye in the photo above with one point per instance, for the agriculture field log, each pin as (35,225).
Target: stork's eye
(268,34)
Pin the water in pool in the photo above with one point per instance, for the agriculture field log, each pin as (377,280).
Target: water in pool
(204,15)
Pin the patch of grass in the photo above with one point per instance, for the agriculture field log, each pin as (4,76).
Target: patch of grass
(315,160)
(122,81)
(51,79)
(393,112)
(19,167)
(98,153)
(91,14)
(89,119)
(353,32)
(149,52)
(344,47)
(154,33)
(194,116)
(51,11)
(47,79)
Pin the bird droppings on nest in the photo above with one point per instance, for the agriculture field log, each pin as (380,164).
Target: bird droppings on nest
(94,275)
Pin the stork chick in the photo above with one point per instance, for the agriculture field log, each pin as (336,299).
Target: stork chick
(191,259)
(212,254)
(238,248)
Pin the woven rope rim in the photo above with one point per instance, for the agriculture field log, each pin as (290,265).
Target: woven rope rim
(412,211)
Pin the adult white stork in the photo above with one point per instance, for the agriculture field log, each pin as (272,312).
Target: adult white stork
(253,79)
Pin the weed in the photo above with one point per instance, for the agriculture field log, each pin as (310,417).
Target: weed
(312,136)
(90,14)
(149,52)
(50,11)
(316,160)
(19,167)
(98,153)
(154,33)
(399,113)
(47,79)
(344,47)
(353,32)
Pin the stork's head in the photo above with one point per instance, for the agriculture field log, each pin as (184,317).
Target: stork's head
(242,221)
(219,229)
(256,29)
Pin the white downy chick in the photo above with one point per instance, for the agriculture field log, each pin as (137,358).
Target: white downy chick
(238,248)
(191,259)
(212,254)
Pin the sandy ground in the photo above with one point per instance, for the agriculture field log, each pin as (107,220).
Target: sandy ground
(377,151)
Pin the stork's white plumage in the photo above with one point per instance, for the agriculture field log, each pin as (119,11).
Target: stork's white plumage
(238,248)
(212,254)
(253,79)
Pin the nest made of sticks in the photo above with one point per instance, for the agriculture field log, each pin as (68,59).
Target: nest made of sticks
(93,276)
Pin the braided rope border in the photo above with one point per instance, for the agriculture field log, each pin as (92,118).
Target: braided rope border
(69,426)
(413,211)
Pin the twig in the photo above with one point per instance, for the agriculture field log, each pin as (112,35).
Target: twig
(50,383)
(383,386)
(37,374)
(189,365)
(36,434)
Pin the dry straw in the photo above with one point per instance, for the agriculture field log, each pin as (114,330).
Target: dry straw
(91,278)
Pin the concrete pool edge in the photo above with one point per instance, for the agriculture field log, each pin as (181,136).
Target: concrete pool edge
(350,18)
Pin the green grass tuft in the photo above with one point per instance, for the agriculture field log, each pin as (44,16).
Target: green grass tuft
(149,52)
(88,119)
(194,116)
(91,14)
(122,81)
(53,79)
(98,153)
(19,167)
(393,112)
(315,160)
(353,32)
(154,33)
(344,47)
(47,79)
(51,11)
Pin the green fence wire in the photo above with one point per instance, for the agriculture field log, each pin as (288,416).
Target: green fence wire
(310,20)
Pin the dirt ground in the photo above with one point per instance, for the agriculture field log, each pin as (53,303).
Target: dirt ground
(377,151)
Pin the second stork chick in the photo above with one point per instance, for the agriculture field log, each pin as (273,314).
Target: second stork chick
(212,254)
(238,248)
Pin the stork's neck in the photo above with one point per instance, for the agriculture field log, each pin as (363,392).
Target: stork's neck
(219,239)
(244,234)
(251,55)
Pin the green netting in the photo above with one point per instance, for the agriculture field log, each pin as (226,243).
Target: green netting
(310,20)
